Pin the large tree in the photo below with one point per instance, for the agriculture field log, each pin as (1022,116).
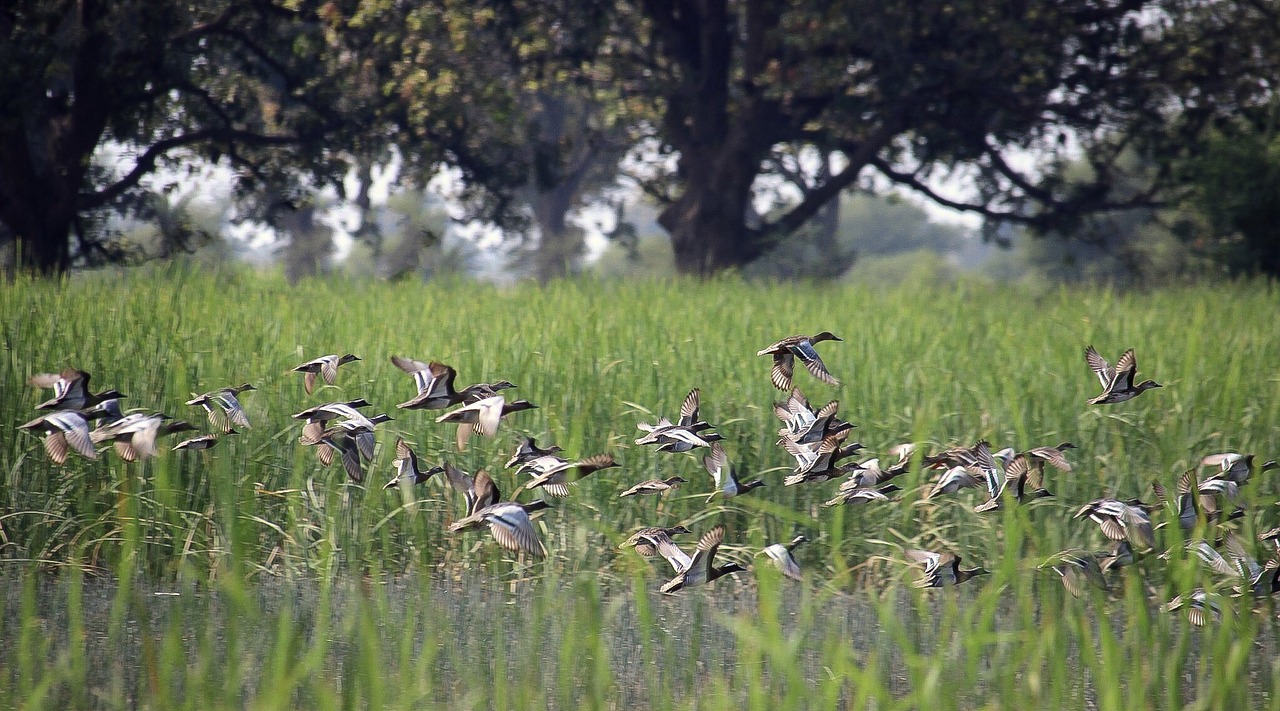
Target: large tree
(540,132)
(297,91)
(914,90)
(271,87)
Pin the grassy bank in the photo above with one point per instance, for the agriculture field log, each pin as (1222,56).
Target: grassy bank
(268,547)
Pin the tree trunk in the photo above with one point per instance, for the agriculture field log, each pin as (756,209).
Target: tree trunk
(41,244)
(45,150)
(722,126)
(560,243)
(368,231)
(310,243)
(707,223)
(826,223)
(41,174)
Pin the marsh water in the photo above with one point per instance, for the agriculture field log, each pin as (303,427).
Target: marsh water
(473,641)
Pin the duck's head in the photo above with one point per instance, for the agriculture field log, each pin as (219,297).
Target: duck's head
(535,505)
(1270,464)
(677,480)
(520,405)
(106,408)
(732,568)
(825,336)
(1147,385)
(244,388)
(179,426)
(841,426)
(502,385)
(1140,504)
(110,395)
(799,539)
(1065,446)
(677,530)
(358,402)
(380,418)
(348,358)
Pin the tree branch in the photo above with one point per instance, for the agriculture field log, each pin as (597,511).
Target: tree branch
(658,189)
(222,20)
(910,180)
(1040,220)
(1017,179)
(146,162)
(861,156)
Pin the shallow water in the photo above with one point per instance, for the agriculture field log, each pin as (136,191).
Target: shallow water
(553,643)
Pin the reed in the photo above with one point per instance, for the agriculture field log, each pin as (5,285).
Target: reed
(298,588)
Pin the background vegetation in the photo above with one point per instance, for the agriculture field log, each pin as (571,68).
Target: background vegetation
(290,172)
(295,587)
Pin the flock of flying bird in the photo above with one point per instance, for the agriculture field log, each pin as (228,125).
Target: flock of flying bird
(816,438)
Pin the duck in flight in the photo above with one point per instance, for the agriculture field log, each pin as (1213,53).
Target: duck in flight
(1117,383)
(786,351)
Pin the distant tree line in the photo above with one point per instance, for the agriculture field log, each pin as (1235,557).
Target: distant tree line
(543,105)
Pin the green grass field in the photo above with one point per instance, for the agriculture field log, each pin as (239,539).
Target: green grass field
(297,589)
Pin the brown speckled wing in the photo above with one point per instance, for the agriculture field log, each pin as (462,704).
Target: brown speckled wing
(1099,366)
(783,369)
(329,369)
(126,451)
(55,443)
(1126,367)
(1053,456)
(689,408)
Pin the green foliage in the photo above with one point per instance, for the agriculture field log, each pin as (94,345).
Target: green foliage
(271,88)
(649,258)
(535,101)
(915,91)
(1236,186)
(582,351)
(866,227)
(299,588)
(881,225)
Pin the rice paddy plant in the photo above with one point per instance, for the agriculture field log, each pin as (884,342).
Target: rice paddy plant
(298,588)
(414,642)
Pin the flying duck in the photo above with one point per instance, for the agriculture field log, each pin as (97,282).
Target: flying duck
(701,569)
(1117,383)
(786,351)
(783,558)
(941,569)
(223,407)
(326,366)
